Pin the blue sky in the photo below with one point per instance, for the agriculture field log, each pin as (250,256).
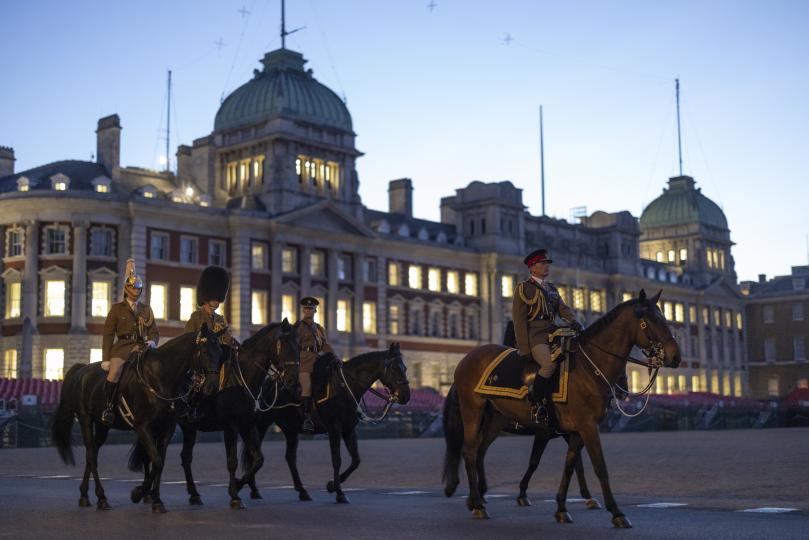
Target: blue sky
(438,96)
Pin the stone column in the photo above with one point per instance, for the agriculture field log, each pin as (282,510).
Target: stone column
(30,284)
(239,295)
(357,330)
(78,306)
(276,252)
(138,251)
(382,301)
(331,301)
(124,248)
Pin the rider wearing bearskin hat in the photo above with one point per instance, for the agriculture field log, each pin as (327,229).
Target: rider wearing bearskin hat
(212,289)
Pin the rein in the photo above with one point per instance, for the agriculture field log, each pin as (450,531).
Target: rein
(196,381)
(362,410)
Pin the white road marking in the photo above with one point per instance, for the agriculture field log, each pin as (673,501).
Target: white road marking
(661,505)
(218,485)
(568,500)
(54,476)
(405,493)
(769,510)
(173,482)
(279,487)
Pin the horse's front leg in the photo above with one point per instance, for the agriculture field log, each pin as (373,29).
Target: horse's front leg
(250,439)
(472,414)
(573,456)
(592,442)
(590,502)
(336,462)
(492,426)
(350,439)
(233,462)
(91,443)
(187,457)
(540,442)
(156,458)
(291,455)
(162,441)
(251,480)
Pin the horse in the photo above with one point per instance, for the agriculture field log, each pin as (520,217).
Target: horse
(339,414)
(598,360)
(233,408)
(149,387)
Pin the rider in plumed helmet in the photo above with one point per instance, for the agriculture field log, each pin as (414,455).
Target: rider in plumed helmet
(129,328)
(212,289)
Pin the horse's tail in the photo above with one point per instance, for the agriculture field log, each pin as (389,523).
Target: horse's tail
(62,423)
(453,435)
(137,457)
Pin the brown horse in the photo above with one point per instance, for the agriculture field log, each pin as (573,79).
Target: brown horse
(600,358)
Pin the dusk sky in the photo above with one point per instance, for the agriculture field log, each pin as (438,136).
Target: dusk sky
(441,95)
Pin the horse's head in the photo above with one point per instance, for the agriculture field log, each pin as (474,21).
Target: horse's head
(653,335)
(394,376)
(208,360)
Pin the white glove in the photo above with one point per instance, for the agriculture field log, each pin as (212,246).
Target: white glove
(151,344)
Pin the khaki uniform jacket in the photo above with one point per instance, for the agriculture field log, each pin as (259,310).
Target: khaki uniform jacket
(312,339)
(121,329)
(533,312)
(215,323)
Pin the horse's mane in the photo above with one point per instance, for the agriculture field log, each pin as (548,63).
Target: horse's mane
(261,334)
(176,344)
(364,357)
(607,319)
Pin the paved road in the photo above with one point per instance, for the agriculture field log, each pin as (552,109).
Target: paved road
(715,479)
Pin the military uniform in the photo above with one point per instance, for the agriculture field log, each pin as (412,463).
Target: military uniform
(126,327)
(312,339)
(212,288)
(215,322)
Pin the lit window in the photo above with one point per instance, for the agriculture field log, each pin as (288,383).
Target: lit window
(343,316)
(434,279)
(659,256)
(627,296)
(717,317)
(16,238)
(393,274)
(695,383)
(54,298)
(9,364)
(738,321)
(578,298)
(679,312)
(728,318)
(289,263)
(298,170)
(13,299)
(148,194)
(258,257)
(317,264)
(188,250)
(507,286)
(23,184)
(157,300)
(706,316)
(597,301)
(96,355)
(321,308)
(258,303)
(683,255)
(393,320)
(54,363)
(668,310)
(59,186)
(453,284)
(803,382)
(102,188)
(471,284)
(187,302)
(288,308)
(672,255)
(100,304)
(692,314)
(414,276)
(369,317)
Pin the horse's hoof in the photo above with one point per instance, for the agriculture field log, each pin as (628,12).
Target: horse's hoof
(330,486)
(195,500)
(137,494)
(563,517)
(469,505)
(84,502)
(147,499)
(342,499)
(303,495)
(158,508)
(103,504)
(620,522)
(237,504)
(480,513)
(255,495)
(523,501)
(449,489)
(592,504)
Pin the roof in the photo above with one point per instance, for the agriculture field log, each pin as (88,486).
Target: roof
(80,173)
(283,89)
(682,203)
(374,218)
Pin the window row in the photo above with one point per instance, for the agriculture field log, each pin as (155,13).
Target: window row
(727,384)
(768,312)
(160,249)
(61,182)
(56,240)
(437,280)
(798,349)
(670,256)
(244,174)
(318,174)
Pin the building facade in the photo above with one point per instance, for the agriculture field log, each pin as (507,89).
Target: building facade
(778,315)
(273,195)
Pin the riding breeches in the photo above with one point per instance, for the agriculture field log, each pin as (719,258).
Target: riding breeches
(116,366)
(541,354)
(305,380)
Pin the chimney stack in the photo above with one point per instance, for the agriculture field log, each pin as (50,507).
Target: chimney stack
(6,161)
(762,278)
(108,144)
(184,164)
(400,197)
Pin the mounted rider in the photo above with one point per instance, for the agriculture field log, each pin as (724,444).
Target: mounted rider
(130,327)
(212,289)
(312,339)
(536,305)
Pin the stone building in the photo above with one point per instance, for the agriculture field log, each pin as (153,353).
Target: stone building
(272,193)
(778,333)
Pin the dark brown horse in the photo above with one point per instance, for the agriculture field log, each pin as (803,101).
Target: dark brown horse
(598,361)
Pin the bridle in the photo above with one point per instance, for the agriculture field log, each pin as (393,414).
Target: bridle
(271,372)
(390,399)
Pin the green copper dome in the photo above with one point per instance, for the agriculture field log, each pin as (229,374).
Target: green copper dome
(682,203)
(283,89)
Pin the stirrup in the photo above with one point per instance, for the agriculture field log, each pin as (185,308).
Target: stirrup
(108,416)
(308,424)
(539,414)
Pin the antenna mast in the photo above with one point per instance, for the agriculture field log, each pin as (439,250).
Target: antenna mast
(679,139)
(284,32)
(542,159)
(168,125)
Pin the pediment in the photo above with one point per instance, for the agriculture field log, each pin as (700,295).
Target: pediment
(325,216)
(721,287)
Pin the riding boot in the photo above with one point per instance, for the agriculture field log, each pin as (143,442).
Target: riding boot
(308,422)
(541,396)
(110,395)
